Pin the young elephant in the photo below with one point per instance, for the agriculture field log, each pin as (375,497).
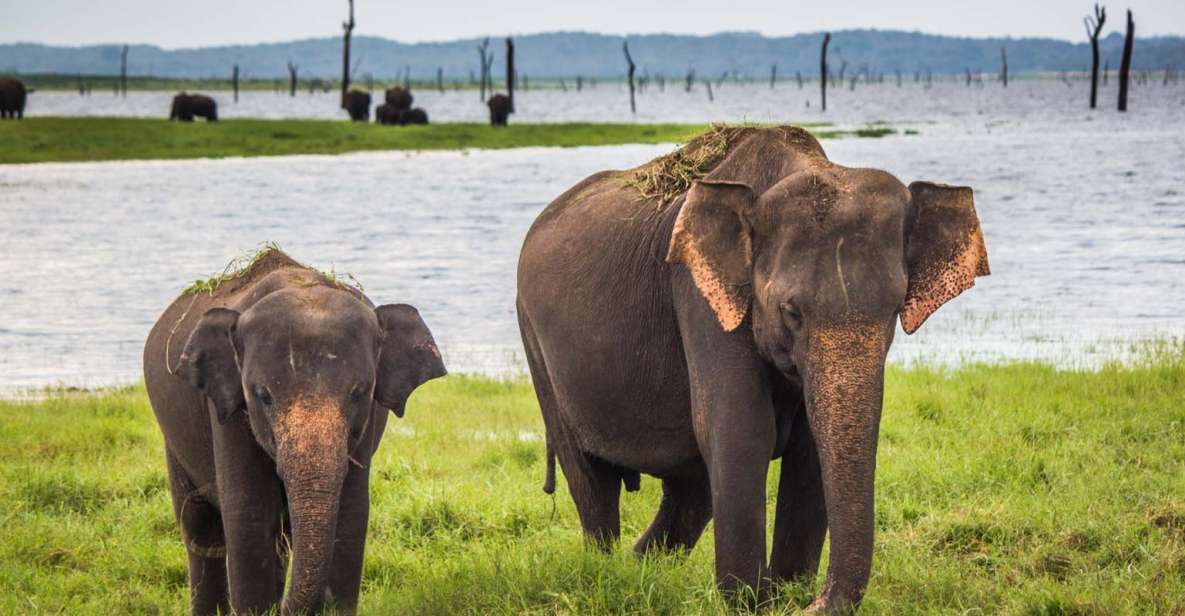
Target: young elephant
(695,333)
(271,392)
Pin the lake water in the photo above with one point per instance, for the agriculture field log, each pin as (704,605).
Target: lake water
(1084,216)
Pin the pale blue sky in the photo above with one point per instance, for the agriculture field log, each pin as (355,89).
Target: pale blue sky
(170,23)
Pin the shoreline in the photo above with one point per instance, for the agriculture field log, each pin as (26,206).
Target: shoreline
(96,139)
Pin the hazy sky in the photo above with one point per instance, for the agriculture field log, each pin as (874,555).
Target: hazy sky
(170,23)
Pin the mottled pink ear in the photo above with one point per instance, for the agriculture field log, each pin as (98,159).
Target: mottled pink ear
(945,250)
(713,239)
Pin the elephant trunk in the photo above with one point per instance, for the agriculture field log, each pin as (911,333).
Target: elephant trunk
(844,392)
(312,460)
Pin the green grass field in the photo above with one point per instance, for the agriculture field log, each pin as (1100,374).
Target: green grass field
(38,140)
(1015,489)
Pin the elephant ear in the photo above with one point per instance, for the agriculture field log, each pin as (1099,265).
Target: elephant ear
(713,238)
(210,362)
(945,251)
(408,357)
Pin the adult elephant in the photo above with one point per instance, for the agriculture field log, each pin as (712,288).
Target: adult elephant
(499,105)
(13,96)
(695,333)
(357,104)
(399,98)
(271,391)
(188,106)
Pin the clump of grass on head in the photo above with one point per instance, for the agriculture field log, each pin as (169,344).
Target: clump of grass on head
(243,264)
(669,176)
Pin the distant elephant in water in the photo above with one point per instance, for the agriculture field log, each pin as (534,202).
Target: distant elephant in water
(272,391)
(357,104)
(13,96)
(386,115)
(188,106)
(697,330)
(499,105)
(413,116)
(399,98)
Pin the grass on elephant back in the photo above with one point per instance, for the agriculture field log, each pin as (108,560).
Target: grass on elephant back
(1014,489)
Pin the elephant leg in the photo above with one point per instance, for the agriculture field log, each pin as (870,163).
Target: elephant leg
(205,544)
(352,517)
(685,510)
(595,486)
(252,500)
(800,522)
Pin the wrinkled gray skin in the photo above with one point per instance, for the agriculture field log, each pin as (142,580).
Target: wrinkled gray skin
(747,320)
(13,96)
(386,115)
(499,105)
(188,106)
(272,394)
(357,104)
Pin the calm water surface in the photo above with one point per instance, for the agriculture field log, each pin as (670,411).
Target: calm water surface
(1084,215)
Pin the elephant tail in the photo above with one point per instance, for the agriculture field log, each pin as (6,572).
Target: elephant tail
(549,480)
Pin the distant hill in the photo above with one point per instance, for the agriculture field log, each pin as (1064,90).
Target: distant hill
(567,54)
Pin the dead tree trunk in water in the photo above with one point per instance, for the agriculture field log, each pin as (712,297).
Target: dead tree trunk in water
(123,72)
(485,71)
(708,82)
(690,80)
(1004,62)
(348,28)
(510,71)
(823,68)
(440,79)
(292,81)
(773,76)
(625,48)
(1094,26)
(1125,67)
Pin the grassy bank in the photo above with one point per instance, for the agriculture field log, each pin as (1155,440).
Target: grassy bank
(94,139)
(1015,489)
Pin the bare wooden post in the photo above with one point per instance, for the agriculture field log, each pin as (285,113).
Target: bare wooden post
(510,71)
(234,81)
(823,68)
(1004,62)
(123,72)
(348,28)
(1125,66)
(1094,26)
(773,75)
(292,81)
(481,52)
(625,48)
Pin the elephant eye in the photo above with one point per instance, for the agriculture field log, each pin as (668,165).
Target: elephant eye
(262,395)
(791,315)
